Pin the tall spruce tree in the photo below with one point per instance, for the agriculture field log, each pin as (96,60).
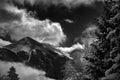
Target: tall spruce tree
(104,58)
(12,74)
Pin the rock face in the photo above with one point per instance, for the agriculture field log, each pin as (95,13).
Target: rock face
(37,55)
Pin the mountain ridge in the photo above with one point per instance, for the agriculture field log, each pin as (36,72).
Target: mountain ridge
(38,55)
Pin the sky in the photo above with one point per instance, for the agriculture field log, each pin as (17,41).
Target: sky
(73,18)
(57,22)
(65,24)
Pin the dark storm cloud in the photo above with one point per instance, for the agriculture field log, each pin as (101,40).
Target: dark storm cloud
(73,16)
(67,3)
(5,16)
(3,3)
(18,23)
(82,16)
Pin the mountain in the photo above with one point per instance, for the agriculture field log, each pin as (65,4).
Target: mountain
(38,55)
(8,55)
(26,44)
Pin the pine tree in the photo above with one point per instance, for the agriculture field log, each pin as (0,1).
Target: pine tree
(12,74)
(105,51)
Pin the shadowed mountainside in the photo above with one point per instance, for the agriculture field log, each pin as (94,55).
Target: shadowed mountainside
(38,55)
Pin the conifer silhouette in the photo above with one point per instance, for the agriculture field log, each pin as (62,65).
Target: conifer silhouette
(104,58)
(12,74)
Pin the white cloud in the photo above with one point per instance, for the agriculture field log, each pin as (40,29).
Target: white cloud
(69,21)
(67,50)
(44,31)
(88,36)
(24,72)
(4,43)
(72,48)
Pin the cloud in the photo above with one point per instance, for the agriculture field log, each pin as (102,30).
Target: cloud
(5,16)
(67,50)
(80,50)
(3,3)
(76,53)
(72,48)
(67,3)
(4,43)
(69,21)
(44,31)
(88,35)
(24,72)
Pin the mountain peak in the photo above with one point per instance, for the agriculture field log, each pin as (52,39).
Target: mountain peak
(25,44)
(28,45)
(26,38)
(38,55)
